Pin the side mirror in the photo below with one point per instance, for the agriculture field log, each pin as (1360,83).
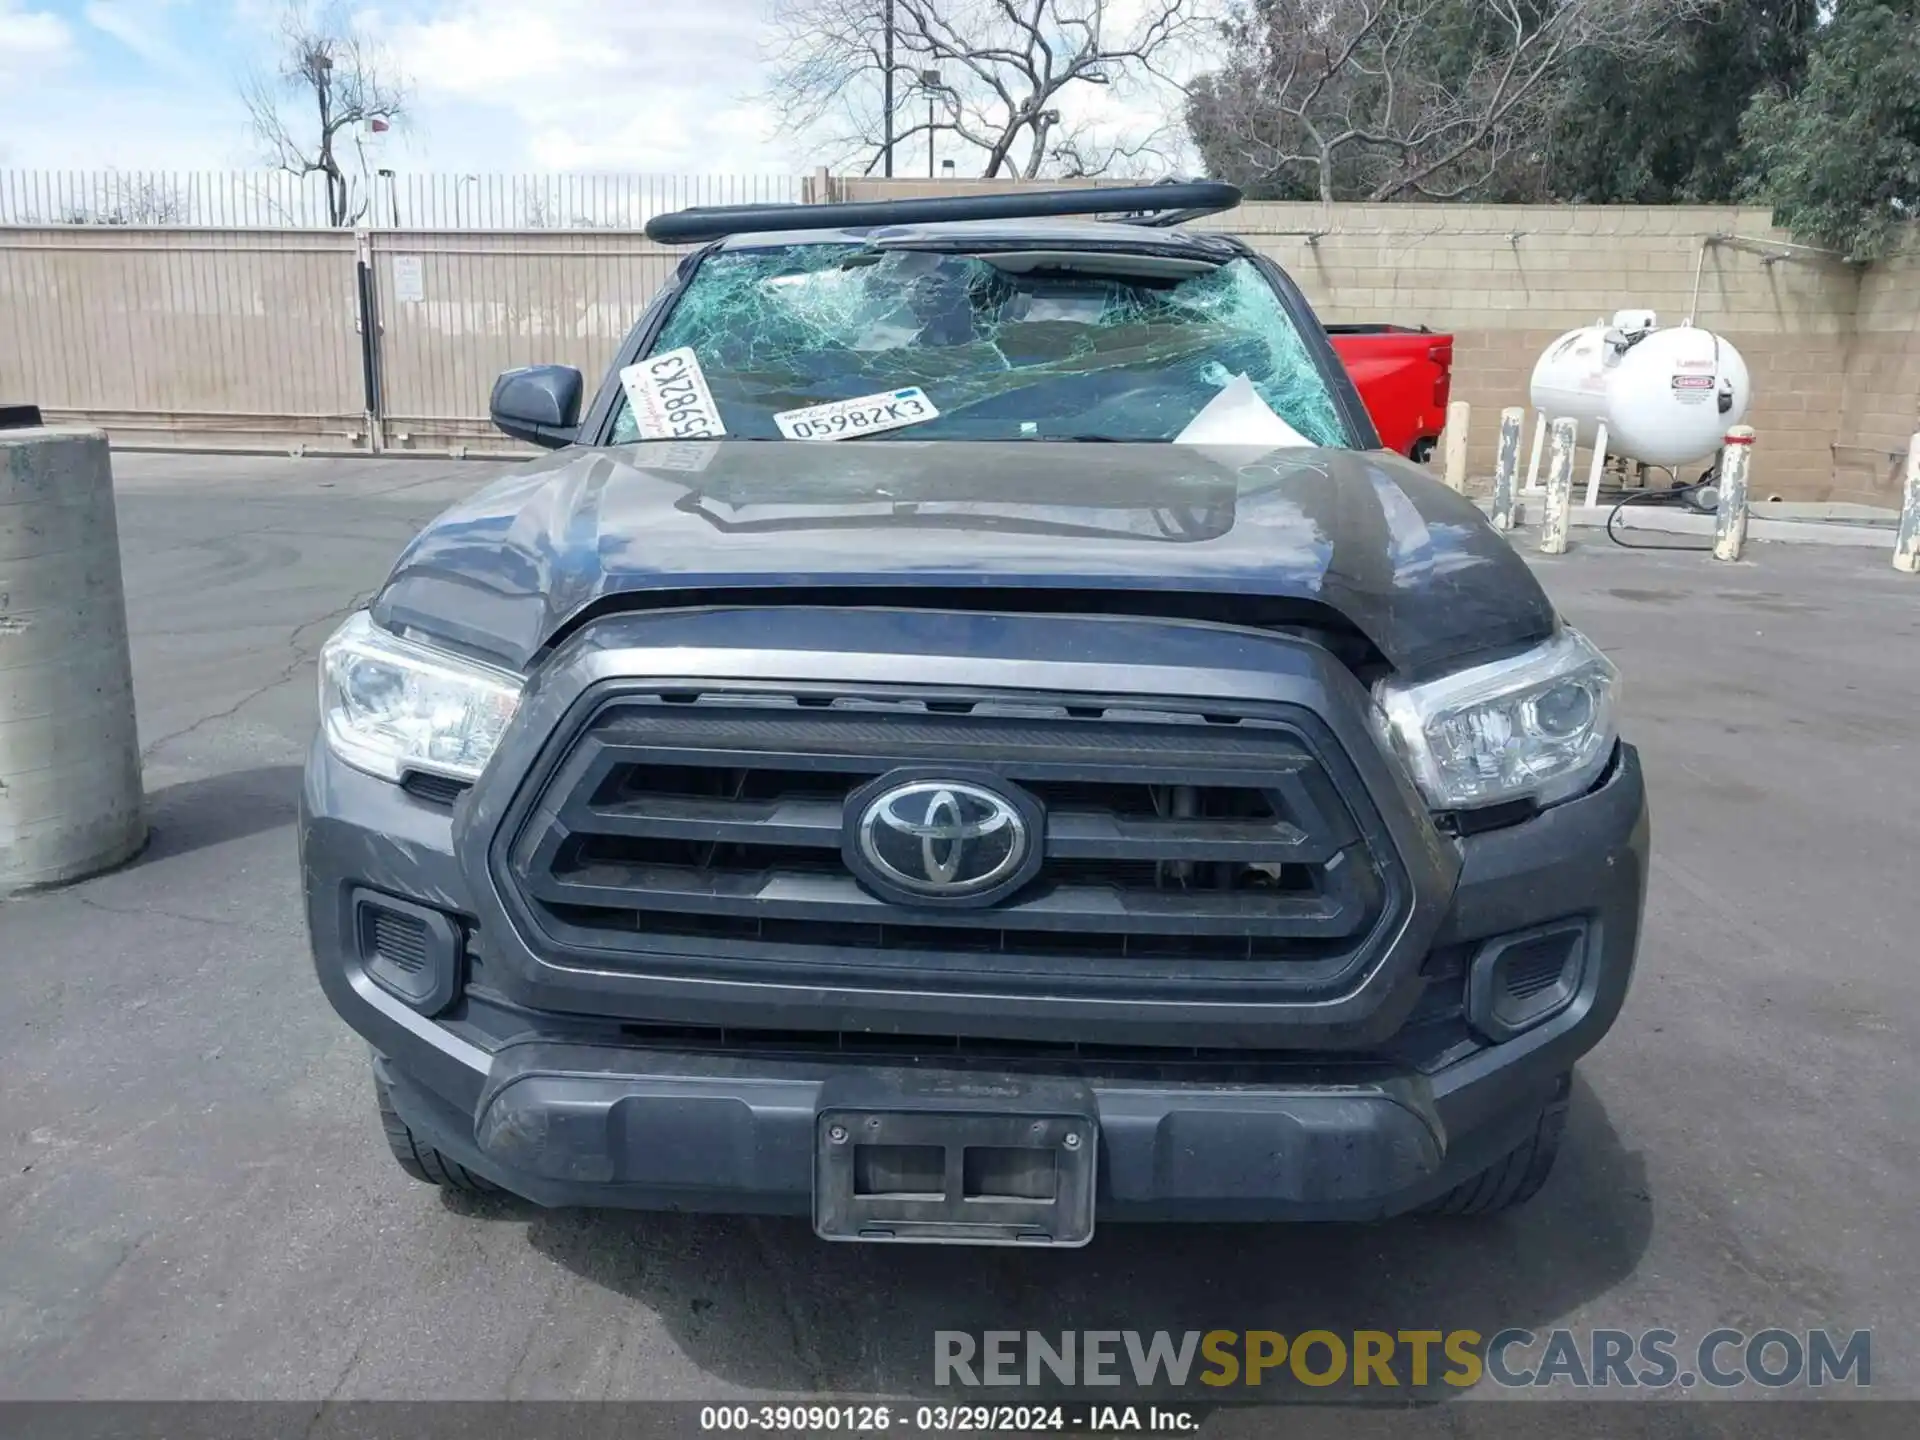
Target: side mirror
(540,404)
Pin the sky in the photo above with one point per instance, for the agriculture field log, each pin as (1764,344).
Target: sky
(501,86)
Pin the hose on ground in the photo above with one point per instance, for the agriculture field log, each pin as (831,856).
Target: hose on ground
(1689,496)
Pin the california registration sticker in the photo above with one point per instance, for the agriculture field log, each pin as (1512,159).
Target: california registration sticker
(863,415)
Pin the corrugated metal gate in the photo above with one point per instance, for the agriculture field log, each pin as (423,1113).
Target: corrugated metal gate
(254,338)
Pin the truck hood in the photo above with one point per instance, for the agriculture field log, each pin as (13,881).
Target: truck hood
(1408,563)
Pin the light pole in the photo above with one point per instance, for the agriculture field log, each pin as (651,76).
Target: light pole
(886,102)
(459,188)
(930,82)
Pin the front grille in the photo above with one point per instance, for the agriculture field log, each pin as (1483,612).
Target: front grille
(1184,851)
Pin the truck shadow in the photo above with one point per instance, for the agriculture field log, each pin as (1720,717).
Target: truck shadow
(215,809)
(760,1303)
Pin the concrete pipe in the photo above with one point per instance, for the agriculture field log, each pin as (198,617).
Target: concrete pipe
(70,789)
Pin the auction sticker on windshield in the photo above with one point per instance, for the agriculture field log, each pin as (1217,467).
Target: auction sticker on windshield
(866,415)
(670,398)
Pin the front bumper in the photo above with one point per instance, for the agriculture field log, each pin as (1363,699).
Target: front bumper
(607,1127)
(563,1110)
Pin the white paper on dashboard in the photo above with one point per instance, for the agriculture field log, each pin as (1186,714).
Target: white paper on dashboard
(1238,416)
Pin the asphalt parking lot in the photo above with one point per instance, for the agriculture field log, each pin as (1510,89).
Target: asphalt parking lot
(195,1201)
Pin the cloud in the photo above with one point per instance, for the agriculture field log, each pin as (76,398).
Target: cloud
(140,25)
(126,83)
(31,40)
(85,125)
(583,85)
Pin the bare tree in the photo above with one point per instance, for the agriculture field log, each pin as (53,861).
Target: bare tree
(332,87)
(1005,70)
(1378,99)
(539,213)
(124,199)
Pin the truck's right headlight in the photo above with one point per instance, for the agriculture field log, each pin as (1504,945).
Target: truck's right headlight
(1538,726)
(391,706)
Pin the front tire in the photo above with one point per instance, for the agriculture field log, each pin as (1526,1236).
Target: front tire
(421,1160)
(1517,1177)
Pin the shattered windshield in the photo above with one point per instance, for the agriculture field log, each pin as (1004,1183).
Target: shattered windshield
(837,340)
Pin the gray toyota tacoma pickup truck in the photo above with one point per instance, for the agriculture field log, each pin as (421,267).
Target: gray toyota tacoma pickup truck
(968,735)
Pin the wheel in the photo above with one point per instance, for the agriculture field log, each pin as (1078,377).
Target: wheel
(1518,1177)
(421,1160)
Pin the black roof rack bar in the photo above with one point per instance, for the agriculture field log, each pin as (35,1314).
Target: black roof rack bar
(1167,219)
(1181,201)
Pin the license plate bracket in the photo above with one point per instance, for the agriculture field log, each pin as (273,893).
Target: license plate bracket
(956,1174)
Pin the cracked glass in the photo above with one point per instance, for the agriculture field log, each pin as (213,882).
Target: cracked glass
(1035,351)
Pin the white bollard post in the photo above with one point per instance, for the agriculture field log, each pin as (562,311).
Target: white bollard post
(1906,544)
(1539,452)
(1456,443)
(1506,466)
(1553,531)
(1599,465)
(1730,520)
(70,790)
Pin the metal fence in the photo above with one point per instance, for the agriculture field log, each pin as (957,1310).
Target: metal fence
(253,199)
(235,337)
(380,340)
(454,310)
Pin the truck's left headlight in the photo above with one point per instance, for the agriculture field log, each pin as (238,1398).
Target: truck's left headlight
(1538,726)
(390,706)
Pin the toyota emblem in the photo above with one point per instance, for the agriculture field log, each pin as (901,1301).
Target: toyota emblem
(942,839)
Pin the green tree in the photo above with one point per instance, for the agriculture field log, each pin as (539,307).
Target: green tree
(1664,127)
(1839,158)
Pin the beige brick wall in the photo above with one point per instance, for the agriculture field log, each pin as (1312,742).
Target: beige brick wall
(1880,400)
(1506,280)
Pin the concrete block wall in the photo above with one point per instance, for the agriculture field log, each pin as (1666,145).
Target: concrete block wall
(1506,280)
(1880,401)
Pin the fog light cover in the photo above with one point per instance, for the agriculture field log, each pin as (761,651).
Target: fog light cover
(408,950)
(1519,980)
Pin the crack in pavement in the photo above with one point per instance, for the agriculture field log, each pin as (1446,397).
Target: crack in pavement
(359,1348)
(142,912)
(301,657)
(431,480)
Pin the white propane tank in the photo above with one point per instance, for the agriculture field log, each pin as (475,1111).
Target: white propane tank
(1667,396)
